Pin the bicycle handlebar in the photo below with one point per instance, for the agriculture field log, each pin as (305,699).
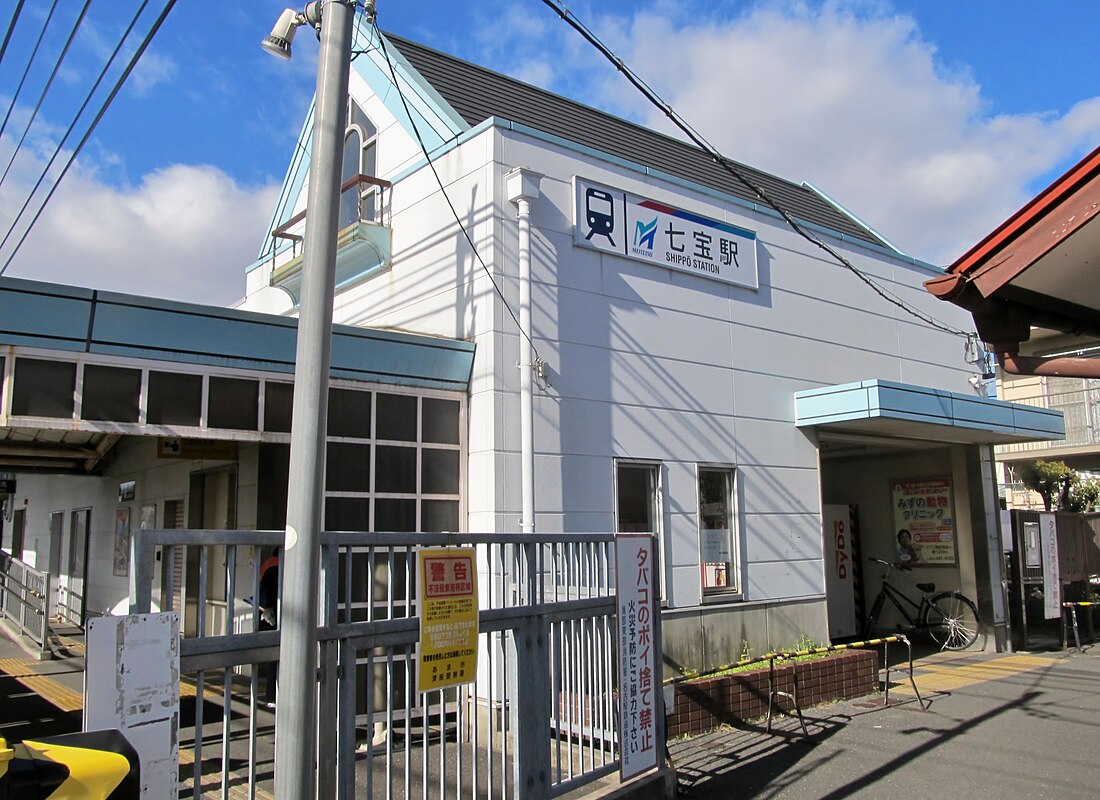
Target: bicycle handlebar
(893,564)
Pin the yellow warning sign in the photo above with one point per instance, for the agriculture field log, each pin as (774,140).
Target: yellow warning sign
(447,654)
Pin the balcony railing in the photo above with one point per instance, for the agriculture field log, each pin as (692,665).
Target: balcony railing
(364,241)
(1081,409)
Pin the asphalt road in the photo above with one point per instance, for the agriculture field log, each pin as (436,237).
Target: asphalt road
(1024,726)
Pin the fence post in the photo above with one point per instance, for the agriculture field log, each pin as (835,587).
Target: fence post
(531,715)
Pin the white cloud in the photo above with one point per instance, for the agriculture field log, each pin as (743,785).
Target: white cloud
(185,232)
(845,95)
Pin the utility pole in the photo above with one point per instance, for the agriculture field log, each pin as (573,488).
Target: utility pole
(296,707)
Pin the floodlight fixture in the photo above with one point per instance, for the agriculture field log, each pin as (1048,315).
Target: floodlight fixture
(278,42)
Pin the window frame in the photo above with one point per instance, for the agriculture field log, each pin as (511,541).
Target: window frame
(657,490)
(734,587)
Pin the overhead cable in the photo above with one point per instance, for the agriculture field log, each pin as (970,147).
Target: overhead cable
(443,191)
(11,27)
(30,62)
(87,135)
(72,125)
(731,168)
(46,88)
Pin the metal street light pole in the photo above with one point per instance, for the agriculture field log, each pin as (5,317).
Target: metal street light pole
(296,709)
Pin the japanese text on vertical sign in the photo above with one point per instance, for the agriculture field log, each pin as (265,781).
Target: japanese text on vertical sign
(637,654)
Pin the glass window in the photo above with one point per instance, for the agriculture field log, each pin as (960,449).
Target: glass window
(349,198)
(349,413)
(234,403)
(174,399)
(396,417)
(716,523)
(636,498)
(278,407)
(347,514)
(394,514)
(396,470)
(440,421)
(111,393)
(439,471)
(439,515)
(347,467)
(43,388)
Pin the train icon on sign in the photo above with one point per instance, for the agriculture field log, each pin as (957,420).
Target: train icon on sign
(599,213)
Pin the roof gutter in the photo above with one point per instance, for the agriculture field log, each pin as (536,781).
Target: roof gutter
(1055,366)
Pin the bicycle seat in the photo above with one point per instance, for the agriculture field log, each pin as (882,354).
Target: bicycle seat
(927,587)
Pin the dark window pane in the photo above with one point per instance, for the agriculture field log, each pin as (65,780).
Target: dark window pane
(174,398)
(396,417)
(347,467)
(635,506)
(278,407)
(111,393)
(439,471)
(440,421)
(395,515)
(234,403)
(349,413)
(43,388)
(439,515)
(396,469)
(347,514)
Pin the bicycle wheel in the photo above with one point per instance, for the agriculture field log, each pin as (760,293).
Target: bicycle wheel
(951,619)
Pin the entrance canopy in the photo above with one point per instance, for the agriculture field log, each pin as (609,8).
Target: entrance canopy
(877,408)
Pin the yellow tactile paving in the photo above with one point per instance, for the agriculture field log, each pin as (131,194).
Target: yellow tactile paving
(17,667)
(190,690)
(945,677)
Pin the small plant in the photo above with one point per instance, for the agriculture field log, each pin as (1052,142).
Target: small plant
(807,643)
(746,651)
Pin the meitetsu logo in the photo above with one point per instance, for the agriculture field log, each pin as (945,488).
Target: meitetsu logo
(644,232)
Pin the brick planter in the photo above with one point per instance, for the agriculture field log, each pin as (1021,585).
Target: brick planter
(705,704)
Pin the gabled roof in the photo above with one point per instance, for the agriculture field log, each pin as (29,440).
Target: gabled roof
(1039,267)
(478,94)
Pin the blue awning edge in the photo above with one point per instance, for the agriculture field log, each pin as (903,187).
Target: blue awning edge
(886,407)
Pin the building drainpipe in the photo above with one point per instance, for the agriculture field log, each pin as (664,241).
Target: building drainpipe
(522,187)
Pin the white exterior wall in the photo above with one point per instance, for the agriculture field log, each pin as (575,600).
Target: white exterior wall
(157,480)
(645,362)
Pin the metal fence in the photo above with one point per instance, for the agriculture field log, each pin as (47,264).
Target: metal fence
(538,721)
(25,600)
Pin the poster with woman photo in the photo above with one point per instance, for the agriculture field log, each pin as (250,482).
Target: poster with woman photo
(924,521)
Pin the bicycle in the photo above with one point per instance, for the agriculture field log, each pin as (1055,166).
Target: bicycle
(949,617)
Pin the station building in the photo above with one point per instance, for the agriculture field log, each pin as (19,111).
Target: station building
(701,371)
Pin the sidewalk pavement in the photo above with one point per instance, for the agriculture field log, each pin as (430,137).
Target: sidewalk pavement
(998,726)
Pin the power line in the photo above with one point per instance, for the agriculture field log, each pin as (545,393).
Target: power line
(87,135)
(11,28)
(46,88)
(72,125)
(30,62)
(443,191)
(568,17)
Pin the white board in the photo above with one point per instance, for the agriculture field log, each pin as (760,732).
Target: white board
(131,684)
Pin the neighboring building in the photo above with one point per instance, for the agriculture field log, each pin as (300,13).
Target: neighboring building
(705,373)
(1035,302)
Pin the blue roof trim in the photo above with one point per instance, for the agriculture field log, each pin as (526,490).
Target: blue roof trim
(436,120)
(887,400)
(50,316)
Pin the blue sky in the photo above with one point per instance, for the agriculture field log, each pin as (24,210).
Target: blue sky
(930,120)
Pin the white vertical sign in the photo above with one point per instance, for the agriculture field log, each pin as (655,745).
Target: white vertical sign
(1052,575)
(131,683)
(840,593)
(639,675)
